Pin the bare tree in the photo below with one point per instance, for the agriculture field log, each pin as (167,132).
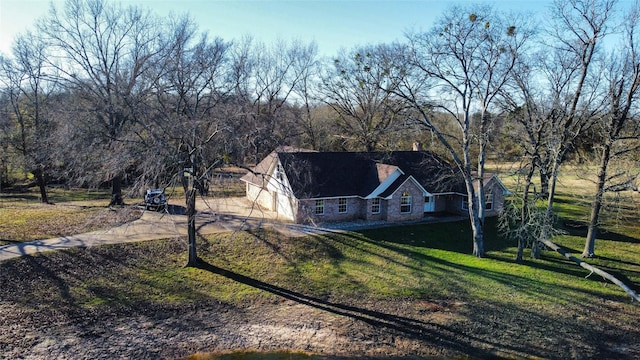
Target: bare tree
(556,98)
(620,128)
(306,97)
(103,52)
(28,88)
(534,101)
(523,100)
(359,88)
(578,28)
(265,79)
(191,84)
(457,68)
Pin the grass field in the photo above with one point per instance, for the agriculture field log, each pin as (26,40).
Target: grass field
(24,218)
(429,265)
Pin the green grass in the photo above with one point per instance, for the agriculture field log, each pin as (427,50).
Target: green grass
(411,262)
(422,264)
(422,261)
(430,262)
(56,194)
(618,242)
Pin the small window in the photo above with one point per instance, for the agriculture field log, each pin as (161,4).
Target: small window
(375,206)
(488,200)
(405,202)
(342,205)
(465,203)
(319,207)
(427,199)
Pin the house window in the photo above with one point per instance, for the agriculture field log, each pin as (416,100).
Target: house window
(342,205)
(319,207)
(488,200)
(375,206)
(405,202)
(427,199)
(465,203)
(279,172)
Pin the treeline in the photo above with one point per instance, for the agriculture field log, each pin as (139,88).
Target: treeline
(101,93)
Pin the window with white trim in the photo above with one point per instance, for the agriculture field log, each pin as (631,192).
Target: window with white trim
(319,209)
(342,205)
(405,202)
(465,203)
(375,206)
(488,200)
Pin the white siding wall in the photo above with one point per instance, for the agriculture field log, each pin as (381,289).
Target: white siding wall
(260,196)
(282,200)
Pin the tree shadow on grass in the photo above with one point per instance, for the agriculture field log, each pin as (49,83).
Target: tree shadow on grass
(457,236)
(432,334)
(531,286)
(458,239)
(580,228)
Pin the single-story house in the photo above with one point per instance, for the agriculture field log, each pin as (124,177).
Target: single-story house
(306,186)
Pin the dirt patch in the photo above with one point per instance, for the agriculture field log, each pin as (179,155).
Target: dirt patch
(171,332)
(174,332)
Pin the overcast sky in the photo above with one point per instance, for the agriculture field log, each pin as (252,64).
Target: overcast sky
(332,24)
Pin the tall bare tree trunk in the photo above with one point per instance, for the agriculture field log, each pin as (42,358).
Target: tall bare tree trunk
(116,191)
(473,200)
(42,185)
(478,236)
(596,205)
(191,227)
(547,226)
(524,215)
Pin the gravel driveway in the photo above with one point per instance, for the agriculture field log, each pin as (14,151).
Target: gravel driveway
(214,215)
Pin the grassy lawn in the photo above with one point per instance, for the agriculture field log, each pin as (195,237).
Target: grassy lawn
(409,262)
(24,218)
(618,243)
(418,261)
(429,266)
(493,298)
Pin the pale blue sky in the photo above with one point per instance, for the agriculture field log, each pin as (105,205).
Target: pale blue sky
(332,24)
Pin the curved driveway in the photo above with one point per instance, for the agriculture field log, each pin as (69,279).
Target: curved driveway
(214,215)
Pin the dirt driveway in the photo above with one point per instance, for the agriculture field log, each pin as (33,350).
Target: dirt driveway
(214,215)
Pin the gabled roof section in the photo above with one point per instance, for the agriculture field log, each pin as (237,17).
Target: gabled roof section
(329,174)
(337,174)
(384,171)
(486,179)
(265,167)
(397,183)
(260,171)
(434,174)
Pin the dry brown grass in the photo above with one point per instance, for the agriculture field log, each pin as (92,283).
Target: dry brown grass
(24,218)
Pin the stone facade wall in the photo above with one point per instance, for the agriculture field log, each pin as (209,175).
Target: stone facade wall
(356,208)
(393,212)
(454,204)
(498,198)
(369,215)
(440,203)
(390,210)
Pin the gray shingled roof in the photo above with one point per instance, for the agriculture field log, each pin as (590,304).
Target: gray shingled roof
(337,174)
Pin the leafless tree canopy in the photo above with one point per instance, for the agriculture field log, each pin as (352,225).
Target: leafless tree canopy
(103,94)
